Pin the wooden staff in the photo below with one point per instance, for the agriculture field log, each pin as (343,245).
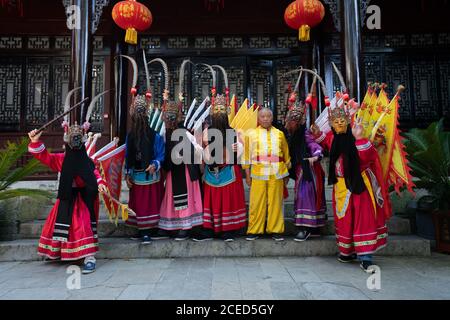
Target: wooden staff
(60,116)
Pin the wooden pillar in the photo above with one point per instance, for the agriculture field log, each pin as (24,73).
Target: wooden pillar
(121,88)
(352,48)
(81,56)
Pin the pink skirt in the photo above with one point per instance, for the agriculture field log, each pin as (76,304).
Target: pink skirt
(185,219)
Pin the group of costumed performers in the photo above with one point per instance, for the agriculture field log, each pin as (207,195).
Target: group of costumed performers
(185,176)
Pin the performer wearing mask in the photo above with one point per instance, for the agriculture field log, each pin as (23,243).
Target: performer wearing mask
(266,162)
(70,231)
(182,207)
(143,161)
(361,201)
(310,204)
(224,198)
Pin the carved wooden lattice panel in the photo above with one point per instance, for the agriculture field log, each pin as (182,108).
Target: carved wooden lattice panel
(373,68)
(98,86)
(260,83)
(202,82)
(37,90)
(397,73)
(236,69)
(331,78)
(444,71)
(283,82)
(156,80)
(425,89)
(61,79)
(10,93)
(236,81)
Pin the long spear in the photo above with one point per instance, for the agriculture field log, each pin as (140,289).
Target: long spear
(60,116)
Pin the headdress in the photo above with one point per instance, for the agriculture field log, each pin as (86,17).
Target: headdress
(139,103)
(75,135)
(296,108)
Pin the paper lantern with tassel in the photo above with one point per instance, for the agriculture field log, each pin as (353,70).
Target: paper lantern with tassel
(133,17)
(303,15)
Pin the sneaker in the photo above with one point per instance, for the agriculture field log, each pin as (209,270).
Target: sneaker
(347,259)
(160,235)
(146,240)
(88,267)
(277,237)
(252,237)
(228,237)
(182,235)
(365,265)
(202,237)
(302,236)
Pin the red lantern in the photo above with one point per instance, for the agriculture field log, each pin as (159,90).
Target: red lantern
(303,15)
(132,16)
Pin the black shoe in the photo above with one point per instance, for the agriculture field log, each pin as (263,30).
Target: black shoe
(315,233)
(277,237)
(182,235)
(202,237)
(228,237)
(347,259)
(160,235)
(146,240)
(135,238)
(302,236)
(365,265)
(252,237)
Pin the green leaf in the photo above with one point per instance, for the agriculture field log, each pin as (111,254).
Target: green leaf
(9,156)
(34,193)
(33,166)
(429,156)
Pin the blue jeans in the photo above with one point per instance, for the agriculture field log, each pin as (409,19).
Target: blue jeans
(365,257)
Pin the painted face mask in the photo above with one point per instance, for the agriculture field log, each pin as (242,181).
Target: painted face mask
(171,115)
(297,113)
(75,137)
(140,105)
(220,106)
(339,120)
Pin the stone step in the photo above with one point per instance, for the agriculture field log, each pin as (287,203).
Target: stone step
(113,248)
(106,229)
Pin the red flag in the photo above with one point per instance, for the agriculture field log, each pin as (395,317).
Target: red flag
(105,150)
(111,166)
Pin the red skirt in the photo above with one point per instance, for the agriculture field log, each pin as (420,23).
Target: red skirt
(145,200)
(81,242)
(361,230)
(224,207)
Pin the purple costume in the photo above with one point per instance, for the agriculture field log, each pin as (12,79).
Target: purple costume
(310,205)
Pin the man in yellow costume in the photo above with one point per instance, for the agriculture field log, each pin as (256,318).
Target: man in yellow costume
(266,162)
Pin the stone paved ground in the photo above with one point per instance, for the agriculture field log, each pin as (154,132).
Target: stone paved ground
(230,278)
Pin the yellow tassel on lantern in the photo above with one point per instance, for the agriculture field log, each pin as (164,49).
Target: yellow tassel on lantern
(304,33)
(131,36)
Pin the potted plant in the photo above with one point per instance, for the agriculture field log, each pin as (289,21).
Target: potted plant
(429,156)
(9,156)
